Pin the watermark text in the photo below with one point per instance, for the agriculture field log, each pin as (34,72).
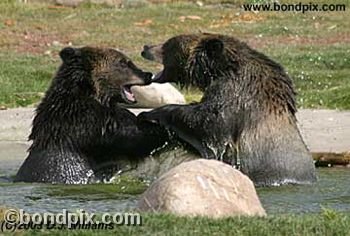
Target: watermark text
(20,220)
(296,7)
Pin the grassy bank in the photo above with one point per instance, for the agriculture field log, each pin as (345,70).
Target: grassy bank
(314,47)
(325,223)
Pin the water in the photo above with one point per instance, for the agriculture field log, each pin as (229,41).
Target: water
(331,191)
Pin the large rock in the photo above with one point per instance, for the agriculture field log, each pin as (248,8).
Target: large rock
(202,188)
(156,95)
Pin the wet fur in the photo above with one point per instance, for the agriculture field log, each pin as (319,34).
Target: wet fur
(247,114)
(79,128)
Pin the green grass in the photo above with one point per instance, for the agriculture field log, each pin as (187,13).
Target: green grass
(313,47)
(23,78)
(328,222)
(321,75)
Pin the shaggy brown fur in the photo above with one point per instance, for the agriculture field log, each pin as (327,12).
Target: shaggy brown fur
(247,114)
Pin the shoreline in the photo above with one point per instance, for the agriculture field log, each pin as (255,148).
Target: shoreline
(324,131)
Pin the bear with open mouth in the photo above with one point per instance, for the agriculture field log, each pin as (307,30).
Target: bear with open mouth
(80,129)
(246,116)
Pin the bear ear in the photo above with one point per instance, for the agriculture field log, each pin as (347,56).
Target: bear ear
(214,47)
(68,53)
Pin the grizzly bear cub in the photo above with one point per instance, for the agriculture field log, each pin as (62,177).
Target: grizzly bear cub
(247,114)
(79,128)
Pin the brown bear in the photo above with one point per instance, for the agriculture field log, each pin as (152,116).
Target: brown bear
(246,116)
(80,132)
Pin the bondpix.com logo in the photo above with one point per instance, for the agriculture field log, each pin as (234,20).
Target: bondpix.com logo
(14,219)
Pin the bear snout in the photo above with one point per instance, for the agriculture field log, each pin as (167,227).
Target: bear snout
(146,53)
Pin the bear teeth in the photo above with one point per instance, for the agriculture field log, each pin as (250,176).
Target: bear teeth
(128,93)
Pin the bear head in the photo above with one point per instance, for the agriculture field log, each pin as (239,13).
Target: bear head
(196,59)
(110,73)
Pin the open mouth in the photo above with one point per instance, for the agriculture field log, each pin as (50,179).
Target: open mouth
(127,94)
